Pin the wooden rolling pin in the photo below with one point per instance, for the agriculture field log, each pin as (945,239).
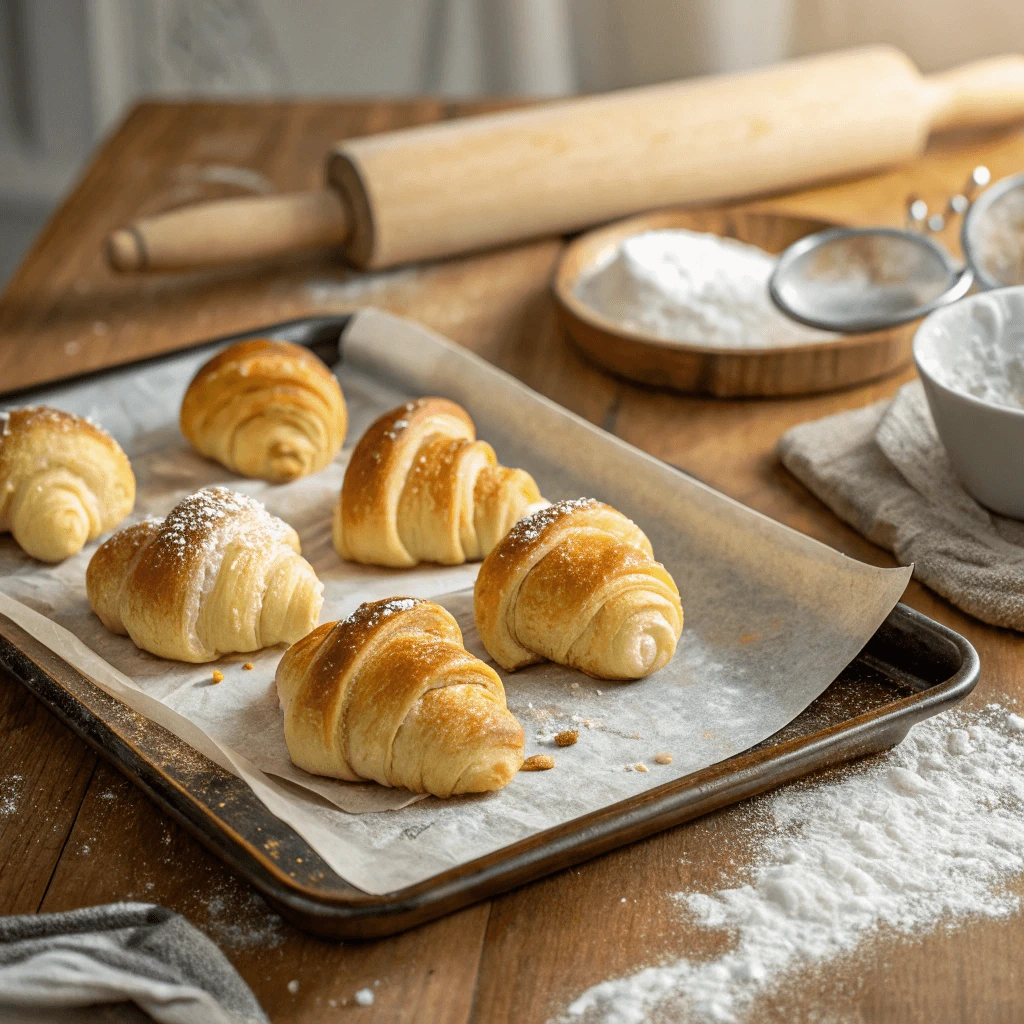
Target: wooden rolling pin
(422,193)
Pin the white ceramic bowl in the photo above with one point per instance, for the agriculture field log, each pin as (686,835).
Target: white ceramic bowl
(984,441)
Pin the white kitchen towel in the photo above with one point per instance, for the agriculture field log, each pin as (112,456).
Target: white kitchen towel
(884,471)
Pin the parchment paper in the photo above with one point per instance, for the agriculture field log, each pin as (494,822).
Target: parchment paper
(772,616)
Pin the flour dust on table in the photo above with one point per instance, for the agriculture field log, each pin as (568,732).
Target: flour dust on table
(925,835)
(695,288)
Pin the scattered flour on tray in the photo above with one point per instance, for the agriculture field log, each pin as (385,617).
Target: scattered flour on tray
(925,836)
(696,288)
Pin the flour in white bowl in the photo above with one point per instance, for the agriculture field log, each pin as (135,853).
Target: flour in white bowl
(928,834)
(989,361)
(695,288)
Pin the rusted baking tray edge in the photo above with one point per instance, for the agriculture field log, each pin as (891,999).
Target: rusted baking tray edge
(926,665)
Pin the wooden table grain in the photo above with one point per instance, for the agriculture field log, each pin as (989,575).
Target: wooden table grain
(74,832)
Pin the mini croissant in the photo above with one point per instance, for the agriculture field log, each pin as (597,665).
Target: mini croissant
(220,574)
(266,409)
(63,482)
(577,583)
(391,695)
(421,488)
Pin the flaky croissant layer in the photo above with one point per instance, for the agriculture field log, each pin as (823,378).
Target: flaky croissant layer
(63,482)
(266,409)
(577,583)
(391,695)
(420,488)
(218,575)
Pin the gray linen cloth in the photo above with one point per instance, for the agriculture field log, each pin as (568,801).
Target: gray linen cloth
(884,471)
(64,967)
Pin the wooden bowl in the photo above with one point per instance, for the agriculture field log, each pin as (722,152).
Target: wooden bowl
(726,372)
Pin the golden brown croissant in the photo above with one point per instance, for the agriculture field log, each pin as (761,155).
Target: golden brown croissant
(420,488)
(63,481)
(266,409)
(391,695)
(577,583)
(219,574)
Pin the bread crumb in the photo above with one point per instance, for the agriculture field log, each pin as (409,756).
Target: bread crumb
(538,763)
(662,758)
(248,666)
(567,737)
(218,676)
(641,768)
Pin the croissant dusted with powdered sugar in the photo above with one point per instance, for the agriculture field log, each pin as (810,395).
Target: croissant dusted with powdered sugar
(63,481)
(266,409)
(420,488)
(391,695)
(577,583)
(219,575)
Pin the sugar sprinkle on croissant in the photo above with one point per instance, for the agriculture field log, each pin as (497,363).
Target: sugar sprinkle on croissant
(63,481)
(577,583)
(219,575)
(391,695)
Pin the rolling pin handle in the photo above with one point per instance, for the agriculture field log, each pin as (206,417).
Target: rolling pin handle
(987,92)
(230,231)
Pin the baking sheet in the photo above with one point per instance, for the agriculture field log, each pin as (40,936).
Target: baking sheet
(771,616)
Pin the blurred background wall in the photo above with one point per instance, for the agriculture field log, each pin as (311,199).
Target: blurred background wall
(70,68)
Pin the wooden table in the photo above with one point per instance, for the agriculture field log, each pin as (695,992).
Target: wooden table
(74,832)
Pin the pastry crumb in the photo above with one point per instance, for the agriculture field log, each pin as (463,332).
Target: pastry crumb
(662,758)
(248,666)
(538,763)
(567,737)
(218,676)
(641,768)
